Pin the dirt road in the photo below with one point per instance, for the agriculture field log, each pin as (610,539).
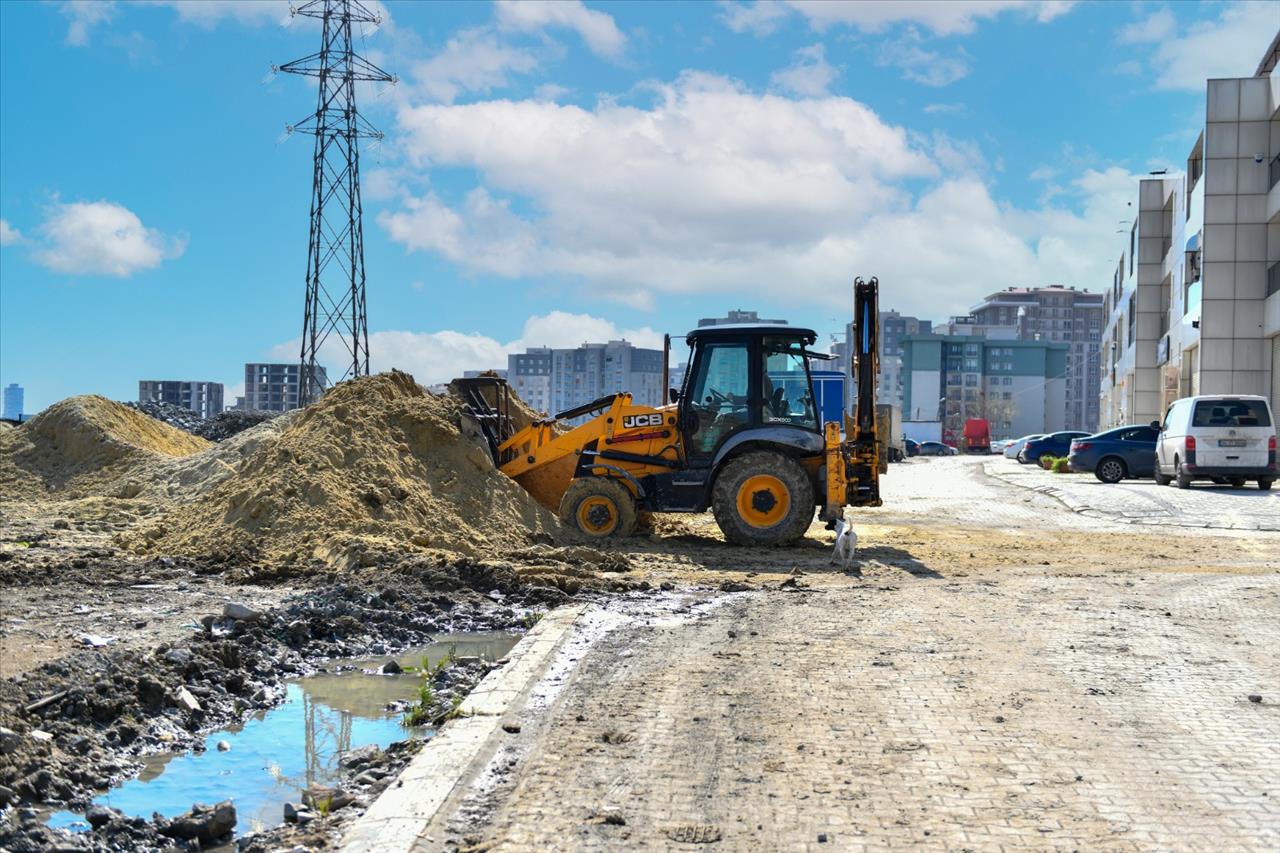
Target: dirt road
(1005,672)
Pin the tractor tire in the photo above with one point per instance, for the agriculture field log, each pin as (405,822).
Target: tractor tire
(599,509)
(763,498)
(1110,469)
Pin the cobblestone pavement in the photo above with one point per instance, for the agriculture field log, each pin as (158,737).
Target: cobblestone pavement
(1143,502)
(1018,708)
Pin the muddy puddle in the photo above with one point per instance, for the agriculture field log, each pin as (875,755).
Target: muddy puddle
(272,756)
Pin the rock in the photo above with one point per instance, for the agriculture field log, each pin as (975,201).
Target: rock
(185,700)
(204,823)
(666,586)
(359,757)
(95,641)
(511,728)
(224,746)
(1255,698)
(734,586)
(100,816)
(61,524)
(391,668)
(9,740)
(178,657)
(298,632)
(41,736)
(370,776)
(324,798)
(150,694)
(291,812)
(8,796)
(240,612)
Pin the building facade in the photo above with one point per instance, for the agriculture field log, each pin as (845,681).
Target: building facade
(554,380)
(1018,386)
(203,398)
(274,387)
(894,328)
(738,317)
(1194,306)
(13,402)
(1054,314)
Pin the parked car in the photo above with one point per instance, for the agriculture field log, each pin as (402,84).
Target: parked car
(1111,456)
(1053,444)
(1013,448)
(1000,444)
(936,448)
(912,446)
(1217,437)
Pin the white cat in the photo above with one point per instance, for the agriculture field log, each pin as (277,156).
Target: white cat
(846,544)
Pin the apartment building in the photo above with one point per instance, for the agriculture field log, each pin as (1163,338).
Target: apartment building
(1019,386)
(203,398)
(554,380)
(274,387)
(1194,306)
(894,328)
(12,402)
(1055,314)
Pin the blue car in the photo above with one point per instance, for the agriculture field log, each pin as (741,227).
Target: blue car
(1054,444)
(1128,451)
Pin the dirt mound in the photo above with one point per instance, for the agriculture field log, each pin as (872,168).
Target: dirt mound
(378,463)
(85,446)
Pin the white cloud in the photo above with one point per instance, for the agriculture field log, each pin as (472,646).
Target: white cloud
(472,61)
(101,238)
(717,189)
(919,64)
(210,13)
(810,75)
(596,28)
(1158,25)
(434,357)
(941,17)
(84,15)
(760,18)
(551,92)
(944,108)
(1229,46)
(9,235)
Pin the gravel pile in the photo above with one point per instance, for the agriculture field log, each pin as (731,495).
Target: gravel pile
(217,428)
(178,417)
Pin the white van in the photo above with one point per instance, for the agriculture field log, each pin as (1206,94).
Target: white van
(1226,439)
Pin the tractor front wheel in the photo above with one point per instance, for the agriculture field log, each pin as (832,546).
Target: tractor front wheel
(599,508)
(763,498)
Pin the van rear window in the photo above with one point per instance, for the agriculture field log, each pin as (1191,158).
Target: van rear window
(1231,413)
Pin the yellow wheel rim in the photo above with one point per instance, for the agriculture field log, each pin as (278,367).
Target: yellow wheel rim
(763,500)
(597,515)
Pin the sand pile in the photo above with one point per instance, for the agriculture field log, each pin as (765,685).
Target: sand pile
(86,446)
(377,464)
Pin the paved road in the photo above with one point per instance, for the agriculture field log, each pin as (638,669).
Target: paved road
(1068,706)
(1143,502)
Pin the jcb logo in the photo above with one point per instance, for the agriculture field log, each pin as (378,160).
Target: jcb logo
(634,421)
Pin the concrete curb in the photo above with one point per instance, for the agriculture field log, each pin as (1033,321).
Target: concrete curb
(397,819)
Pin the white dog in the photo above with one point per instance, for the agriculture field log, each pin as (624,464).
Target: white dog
(846,544)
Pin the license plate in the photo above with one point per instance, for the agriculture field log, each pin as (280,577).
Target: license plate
(1231,442)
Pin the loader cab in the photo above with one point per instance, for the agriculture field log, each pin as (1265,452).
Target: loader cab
(747,383)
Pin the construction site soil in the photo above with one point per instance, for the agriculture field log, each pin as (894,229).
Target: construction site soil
(362,525)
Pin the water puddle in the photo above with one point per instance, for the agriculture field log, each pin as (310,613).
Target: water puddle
(276,754)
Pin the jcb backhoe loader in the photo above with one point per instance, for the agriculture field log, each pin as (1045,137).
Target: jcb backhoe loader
(742,436)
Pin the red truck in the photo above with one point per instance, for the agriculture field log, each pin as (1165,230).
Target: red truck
(977,436)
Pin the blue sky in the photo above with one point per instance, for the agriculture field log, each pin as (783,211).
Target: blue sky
(556,172)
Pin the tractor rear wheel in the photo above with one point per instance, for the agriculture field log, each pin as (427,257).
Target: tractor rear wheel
(599,508)
(763,498)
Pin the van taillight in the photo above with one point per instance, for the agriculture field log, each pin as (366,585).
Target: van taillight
(1191,444)
(1190,461)
(1271,444)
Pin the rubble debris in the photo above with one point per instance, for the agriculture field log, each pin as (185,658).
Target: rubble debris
(178,417)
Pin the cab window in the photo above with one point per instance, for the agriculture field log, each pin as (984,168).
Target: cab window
(785,397)
(719,394)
